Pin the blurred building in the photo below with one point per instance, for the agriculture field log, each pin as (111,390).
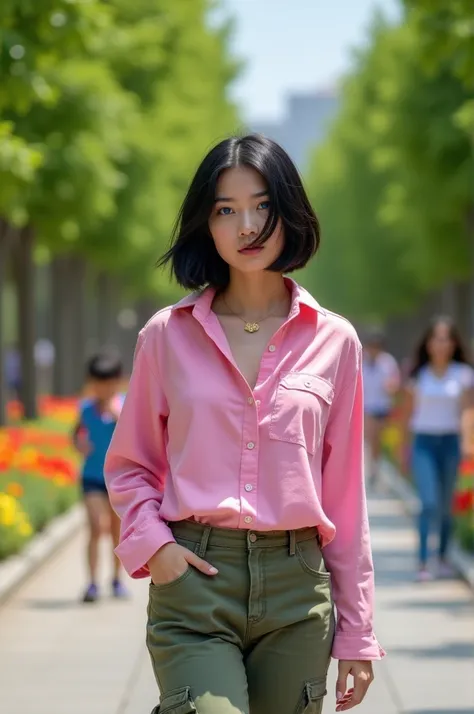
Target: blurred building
(304,124)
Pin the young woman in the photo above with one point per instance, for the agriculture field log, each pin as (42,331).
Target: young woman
(440,387)
(237,460)
(381,382)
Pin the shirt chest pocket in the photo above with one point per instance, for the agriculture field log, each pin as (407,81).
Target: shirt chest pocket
(301,410)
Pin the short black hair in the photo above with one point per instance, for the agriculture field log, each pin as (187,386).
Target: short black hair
(105,365)
(193,258)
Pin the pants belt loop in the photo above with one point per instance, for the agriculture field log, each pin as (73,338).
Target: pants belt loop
(204,541)
(292,542)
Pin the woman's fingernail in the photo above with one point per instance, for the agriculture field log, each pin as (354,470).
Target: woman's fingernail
(339,696)
(213,571)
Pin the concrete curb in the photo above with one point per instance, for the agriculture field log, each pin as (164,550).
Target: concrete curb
(461,560)
(16,569)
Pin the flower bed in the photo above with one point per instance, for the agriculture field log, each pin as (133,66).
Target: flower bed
(463,502)
(38,472)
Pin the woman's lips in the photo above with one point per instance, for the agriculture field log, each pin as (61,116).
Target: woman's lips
(251,251)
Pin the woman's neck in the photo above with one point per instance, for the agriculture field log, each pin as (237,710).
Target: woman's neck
(439,368)
(257,295)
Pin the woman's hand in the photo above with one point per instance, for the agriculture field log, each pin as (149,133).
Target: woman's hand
(172,560)
(363,676)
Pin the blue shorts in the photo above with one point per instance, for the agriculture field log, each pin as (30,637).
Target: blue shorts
(89,485)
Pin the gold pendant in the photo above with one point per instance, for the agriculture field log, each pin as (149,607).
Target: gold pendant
(251,327)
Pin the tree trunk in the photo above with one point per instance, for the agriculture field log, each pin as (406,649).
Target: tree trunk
(464,310)
(470,238)
(107,307)
(68,276)
(457,298)
(6,239)
(63,326)
(78,288)
(25,283)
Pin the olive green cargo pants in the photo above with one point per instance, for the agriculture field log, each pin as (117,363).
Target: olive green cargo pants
(254,639)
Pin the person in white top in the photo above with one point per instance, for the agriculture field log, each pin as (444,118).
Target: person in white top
(381,381)
(440,387)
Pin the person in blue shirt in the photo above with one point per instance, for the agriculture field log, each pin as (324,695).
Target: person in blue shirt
(92,434)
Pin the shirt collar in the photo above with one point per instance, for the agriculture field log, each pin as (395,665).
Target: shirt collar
(201,301)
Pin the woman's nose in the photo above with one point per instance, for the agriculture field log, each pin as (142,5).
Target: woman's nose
(248,225)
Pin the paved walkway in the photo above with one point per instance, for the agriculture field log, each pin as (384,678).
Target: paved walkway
(59,657)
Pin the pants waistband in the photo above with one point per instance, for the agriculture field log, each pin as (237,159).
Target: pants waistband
(206,536)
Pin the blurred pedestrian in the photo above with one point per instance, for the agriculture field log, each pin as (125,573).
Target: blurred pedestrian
(441,385)
(241,441)
(92,436)
(381,383)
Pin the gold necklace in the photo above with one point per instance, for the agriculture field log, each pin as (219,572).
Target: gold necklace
(248,326)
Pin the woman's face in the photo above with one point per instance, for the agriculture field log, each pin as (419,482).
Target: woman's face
(239,214)
(441,346)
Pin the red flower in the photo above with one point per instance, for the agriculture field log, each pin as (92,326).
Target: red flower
(463,501)
(467,467)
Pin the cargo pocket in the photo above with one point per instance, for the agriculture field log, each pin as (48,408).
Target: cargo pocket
(312,698)
(178,701)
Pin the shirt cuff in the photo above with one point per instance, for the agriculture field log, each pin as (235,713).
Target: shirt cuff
(354,646)
(136,549)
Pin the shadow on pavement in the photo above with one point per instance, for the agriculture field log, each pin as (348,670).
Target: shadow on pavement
(52,604)
(456,608)
(388,521)
(393,567)
(449,650)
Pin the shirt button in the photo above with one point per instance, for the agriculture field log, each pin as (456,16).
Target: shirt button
(272,348)
(307,383)
(250,445)
(248,487)
(257,402)
(252,538)
(248,519)
(250,400)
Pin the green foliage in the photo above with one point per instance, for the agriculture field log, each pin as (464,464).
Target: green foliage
(19,163)
(445,33)
(393,181)
(108,106)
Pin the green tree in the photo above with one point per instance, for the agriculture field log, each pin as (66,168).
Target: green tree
(179,69)
(396,212)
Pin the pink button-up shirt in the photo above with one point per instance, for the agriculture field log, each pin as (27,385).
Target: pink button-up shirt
(195,441)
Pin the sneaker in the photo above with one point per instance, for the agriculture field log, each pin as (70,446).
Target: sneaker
(118,589)
(424,575)
(445,571)
(91,594)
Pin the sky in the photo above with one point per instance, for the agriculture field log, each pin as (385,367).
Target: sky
(295,45)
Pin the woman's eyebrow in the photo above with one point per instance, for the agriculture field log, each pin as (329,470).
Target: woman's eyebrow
(259,194)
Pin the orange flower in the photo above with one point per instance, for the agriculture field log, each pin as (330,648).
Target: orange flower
(15,489)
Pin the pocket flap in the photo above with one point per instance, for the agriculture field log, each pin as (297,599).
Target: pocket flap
(309,383)
(316,689)
(177,701)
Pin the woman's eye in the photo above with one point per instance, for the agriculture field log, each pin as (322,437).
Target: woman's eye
(224,211)
(264,205)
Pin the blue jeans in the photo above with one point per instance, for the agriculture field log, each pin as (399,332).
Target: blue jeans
(435,462)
